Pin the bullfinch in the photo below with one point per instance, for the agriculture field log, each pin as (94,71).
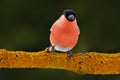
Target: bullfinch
(64,32)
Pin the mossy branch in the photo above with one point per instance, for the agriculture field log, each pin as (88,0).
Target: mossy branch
(91,63)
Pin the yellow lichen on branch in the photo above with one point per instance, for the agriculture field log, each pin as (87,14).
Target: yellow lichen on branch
(91,63)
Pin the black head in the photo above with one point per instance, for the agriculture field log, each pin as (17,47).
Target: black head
(69,14)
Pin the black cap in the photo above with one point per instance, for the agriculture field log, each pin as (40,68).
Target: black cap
(69,14)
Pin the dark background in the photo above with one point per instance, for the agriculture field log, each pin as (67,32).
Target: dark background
(25,25)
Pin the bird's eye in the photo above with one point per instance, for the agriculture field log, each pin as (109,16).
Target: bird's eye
(71,17)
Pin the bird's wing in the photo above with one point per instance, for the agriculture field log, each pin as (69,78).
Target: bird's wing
(78,30)
(53,25)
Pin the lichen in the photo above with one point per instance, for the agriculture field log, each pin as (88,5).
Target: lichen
(91,63)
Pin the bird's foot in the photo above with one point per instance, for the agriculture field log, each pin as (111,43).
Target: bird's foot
(70,54)
(51,49)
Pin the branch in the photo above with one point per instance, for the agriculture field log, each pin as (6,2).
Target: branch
(91,63)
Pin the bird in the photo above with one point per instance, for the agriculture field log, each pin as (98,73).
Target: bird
(64,33)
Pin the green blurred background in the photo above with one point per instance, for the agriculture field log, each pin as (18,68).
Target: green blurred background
(25,25)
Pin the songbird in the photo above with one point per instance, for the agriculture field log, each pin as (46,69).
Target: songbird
(64,32)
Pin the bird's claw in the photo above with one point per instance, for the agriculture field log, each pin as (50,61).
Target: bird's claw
(51,49)
(70,54)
